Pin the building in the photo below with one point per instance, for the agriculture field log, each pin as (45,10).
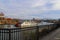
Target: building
(28,24)
(36,20)
(4,20)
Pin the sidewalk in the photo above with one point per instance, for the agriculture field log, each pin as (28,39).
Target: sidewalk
(55,35)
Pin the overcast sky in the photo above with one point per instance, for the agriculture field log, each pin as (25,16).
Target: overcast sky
(31,8)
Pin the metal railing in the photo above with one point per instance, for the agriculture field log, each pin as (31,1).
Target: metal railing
(30,33)
(19,33)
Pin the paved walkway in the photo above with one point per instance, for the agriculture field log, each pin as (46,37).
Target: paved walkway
(55,35)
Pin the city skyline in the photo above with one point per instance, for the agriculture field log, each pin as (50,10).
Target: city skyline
(31,8)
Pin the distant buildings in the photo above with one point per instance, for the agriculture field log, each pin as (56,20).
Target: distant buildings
(28,24)
(4,20)
(36,20)
(17,22)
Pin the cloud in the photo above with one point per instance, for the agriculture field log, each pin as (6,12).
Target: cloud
(48,4)
(56,5)
(28,8)
(39,3)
